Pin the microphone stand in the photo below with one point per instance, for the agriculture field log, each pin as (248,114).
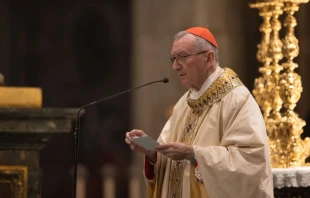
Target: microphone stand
(77,127)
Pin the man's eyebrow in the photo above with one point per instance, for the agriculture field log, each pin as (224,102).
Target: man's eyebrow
(179,52)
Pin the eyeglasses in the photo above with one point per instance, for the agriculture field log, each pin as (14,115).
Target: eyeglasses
(182,59)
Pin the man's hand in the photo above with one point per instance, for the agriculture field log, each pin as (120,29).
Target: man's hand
(133,146)
(176,150)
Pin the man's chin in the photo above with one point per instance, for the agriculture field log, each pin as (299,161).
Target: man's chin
(184,82)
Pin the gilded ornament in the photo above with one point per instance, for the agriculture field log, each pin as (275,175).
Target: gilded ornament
(279,88)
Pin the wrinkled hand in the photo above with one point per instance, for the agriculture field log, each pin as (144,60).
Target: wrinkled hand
(176,150)
(133,146)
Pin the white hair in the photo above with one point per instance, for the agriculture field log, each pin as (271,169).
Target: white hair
(201,44)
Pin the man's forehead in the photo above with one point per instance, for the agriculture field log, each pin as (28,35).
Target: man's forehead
(186,43)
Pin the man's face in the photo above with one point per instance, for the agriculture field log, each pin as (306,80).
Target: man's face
(191,70)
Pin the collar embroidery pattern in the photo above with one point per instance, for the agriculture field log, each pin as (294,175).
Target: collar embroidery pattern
(226,82)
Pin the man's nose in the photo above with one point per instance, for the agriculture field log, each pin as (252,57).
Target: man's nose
(176,65)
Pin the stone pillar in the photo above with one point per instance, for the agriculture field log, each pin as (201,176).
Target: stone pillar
(134,182)
(224,18)
(154,24)
(109,181)
(81,184)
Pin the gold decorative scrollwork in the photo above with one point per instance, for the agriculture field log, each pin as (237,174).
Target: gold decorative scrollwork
(261,84)
(279,88)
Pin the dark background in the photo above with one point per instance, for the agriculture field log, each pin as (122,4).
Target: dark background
(78,52)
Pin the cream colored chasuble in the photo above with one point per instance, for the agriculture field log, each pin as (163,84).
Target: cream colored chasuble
(227,131)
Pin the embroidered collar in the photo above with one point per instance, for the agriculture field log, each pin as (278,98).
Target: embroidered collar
(226,82)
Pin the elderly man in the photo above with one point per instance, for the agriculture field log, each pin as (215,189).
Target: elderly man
(214,144)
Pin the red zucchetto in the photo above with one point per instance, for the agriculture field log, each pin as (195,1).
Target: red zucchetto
(203,33)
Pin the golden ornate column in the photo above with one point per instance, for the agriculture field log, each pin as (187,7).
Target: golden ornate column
(274,118)
(290,91)
(278,89)
(261,85)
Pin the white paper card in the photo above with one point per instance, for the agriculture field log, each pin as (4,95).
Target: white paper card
(146,142)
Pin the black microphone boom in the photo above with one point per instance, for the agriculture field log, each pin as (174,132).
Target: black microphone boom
(165,80)
(77,126)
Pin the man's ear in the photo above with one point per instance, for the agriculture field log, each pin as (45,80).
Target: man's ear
(210,56)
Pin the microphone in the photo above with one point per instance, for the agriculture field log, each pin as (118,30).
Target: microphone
(77,125)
